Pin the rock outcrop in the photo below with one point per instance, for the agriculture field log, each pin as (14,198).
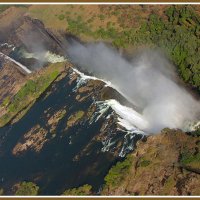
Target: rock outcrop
(166,164)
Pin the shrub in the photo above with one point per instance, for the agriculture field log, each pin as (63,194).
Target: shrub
(101,17)
(61,17)
(117,172)
(196,133)
(27,188)
(144,163)
(80,191)
(191,161)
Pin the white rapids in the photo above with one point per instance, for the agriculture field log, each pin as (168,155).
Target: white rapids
(84,78)
(8,46)
(45,56)
(125,115)
(128,118)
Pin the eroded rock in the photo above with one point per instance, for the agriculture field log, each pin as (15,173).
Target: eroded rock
(157,167)
(33,139)
(75,118)
(55,118)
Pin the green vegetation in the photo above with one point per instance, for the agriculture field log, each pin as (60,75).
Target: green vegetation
(176,32)
(61,17)
(74,118)
(28,94)
(6,101)
(22,112)
(80,191)
(3,8)
(78,26)
(168,186)
(101,17)
(196,133)
(62,114)
(144,163)
(175,29)
(178,36)
(117,173)
(191,160)
(1,191)
(78,114)
(27,188)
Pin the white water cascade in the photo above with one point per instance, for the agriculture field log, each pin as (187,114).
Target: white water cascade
(24,68)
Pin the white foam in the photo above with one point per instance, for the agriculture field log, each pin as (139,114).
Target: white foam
(130,122)
(191,126)
(82,79)
(7,45)
(45,56)
(101,110)
(86,77)
(128,117)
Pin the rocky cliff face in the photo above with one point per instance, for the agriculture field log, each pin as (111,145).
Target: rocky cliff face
(20,33)
(166,164)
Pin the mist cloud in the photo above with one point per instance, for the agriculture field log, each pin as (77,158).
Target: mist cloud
(148,81)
